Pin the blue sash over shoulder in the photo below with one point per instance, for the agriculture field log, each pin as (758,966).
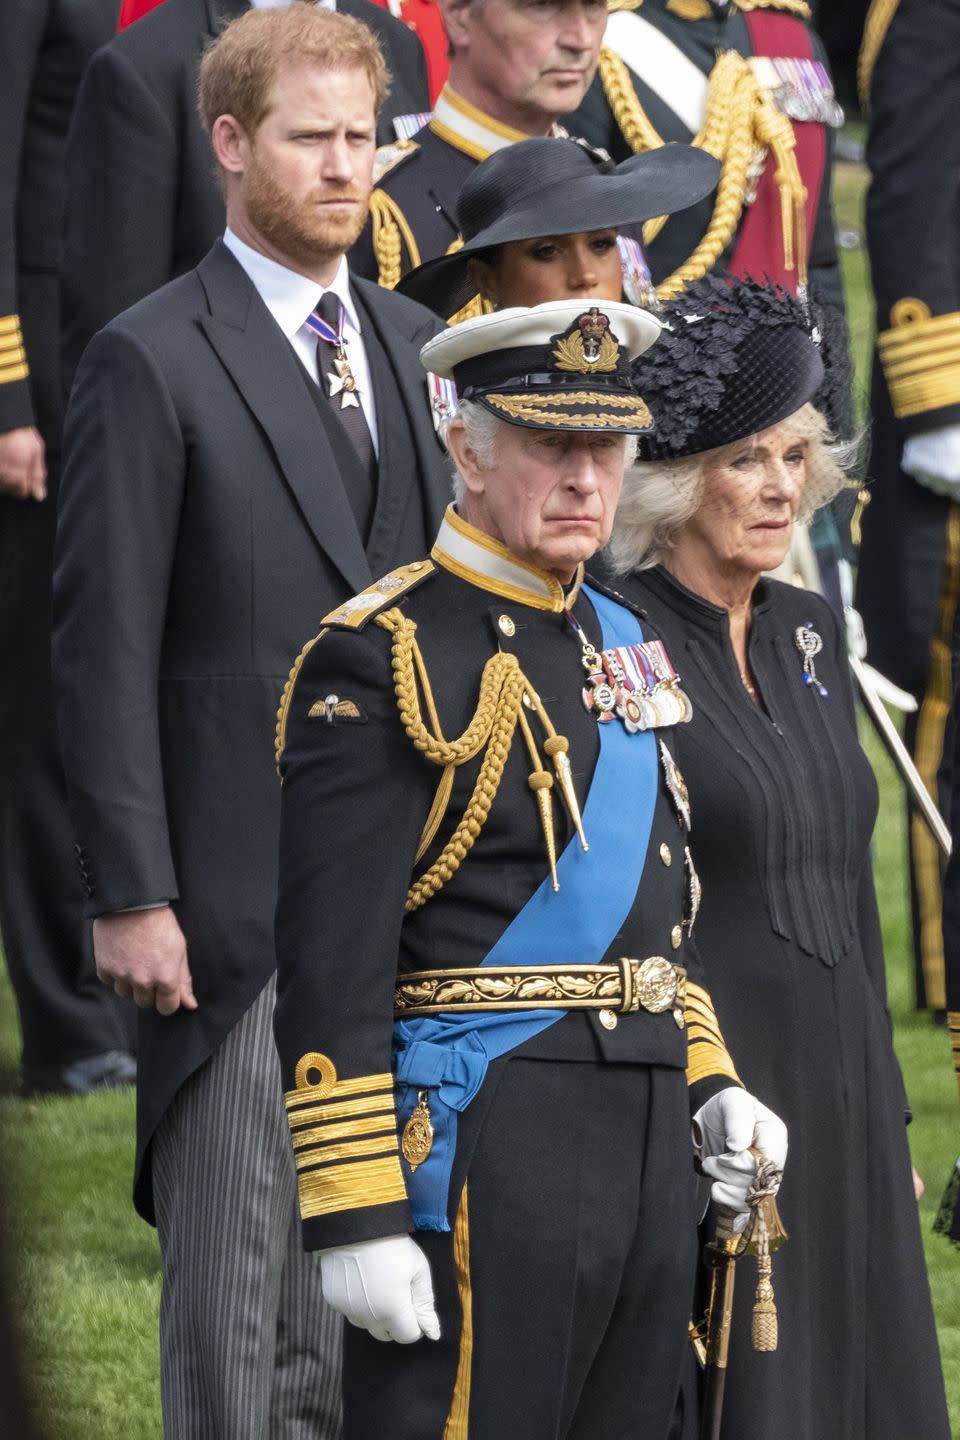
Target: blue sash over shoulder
(449,1055)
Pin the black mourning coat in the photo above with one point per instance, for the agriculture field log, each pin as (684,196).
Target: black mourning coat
(783,807)
(142,202)
(205,528)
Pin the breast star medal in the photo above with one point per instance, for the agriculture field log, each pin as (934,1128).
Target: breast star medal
(676,785)
(416,1142)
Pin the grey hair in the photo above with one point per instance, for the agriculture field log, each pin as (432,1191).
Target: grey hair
(480,429)
(660,496)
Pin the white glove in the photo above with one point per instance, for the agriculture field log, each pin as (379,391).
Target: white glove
(723,1131)
(383,1286)
(933,458)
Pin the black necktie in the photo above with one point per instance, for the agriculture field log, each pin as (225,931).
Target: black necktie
(333,371)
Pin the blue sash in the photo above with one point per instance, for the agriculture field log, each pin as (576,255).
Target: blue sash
(449,1055)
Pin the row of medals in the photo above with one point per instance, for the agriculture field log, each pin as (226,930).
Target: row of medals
(608,693)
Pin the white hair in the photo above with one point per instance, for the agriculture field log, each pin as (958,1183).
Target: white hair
(481,428)
(660,496)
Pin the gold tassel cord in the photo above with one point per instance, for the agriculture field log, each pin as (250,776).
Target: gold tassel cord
(740,125)
(491,729)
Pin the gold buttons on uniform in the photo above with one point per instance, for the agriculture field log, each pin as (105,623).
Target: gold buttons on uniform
(608,1020)
(665,855)
(506,625)
(676,936)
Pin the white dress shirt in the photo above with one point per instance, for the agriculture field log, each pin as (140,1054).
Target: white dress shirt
(291,298)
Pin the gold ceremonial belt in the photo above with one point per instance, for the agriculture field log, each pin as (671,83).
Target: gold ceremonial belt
(654,984)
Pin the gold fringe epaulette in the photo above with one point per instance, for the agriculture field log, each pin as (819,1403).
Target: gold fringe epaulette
(13,355)
(920,355)
(875,29)
(353,614)
(390,232)
(741,123)
(789,7)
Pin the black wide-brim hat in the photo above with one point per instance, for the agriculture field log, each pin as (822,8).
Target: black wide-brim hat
(734,358)
(554,186)
(562,365)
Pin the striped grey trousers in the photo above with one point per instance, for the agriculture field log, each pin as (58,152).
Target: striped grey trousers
(248,1349)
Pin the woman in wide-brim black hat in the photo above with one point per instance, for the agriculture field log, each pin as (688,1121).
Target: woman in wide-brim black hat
(541,221)
(784,806)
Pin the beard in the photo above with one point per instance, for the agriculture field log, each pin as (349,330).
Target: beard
(300,228)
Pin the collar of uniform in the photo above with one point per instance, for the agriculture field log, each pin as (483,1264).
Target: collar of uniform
(483,561)
(289,296)
(468,129)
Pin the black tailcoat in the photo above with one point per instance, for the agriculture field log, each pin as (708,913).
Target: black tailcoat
(143,204)
(204,520)
(65,1014)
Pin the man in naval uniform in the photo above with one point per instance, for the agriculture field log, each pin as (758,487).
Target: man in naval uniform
(909,574)
(492,1024)
(515,67)
(748,80)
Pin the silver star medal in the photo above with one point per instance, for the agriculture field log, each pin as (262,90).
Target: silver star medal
(343,382)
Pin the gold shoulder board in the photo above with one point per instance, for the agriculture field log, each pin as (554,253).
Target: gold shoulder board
(388,157)
(353,614)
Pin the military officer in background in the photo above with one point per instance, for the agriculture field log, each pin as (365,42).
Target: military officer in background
(73,1035)
(747,79)
(492,1024)
(143,205)
(515,68)
(909,573)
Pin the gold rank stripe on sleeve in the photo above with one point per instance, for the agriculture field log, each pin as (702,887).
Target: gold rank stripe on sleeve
(920,355)
(13,355)
(344,1133)
(953,1026)
(707,1053)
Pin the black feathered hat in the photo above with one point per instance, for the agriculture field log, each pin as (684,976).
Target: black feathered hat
(734,358)
(556,186)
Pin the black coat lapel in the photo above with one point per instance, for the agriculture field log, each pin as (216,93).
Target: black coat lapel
(411,385)
(263,366)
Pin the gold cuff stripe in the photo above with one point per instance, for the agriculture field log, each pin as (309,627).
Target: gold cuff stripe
(702,1067)
(700,1032)
(920,355)
(9,324)
(363,1085)
(372,1126)
(314,1114)
(458,1419)
(19,372)
(351,1187)
(353,1149)
(11,347)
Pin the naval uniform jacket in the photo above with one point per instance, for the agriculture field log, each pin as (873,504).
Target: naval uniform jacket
(700,40)
(204,520)
(908,579)
(143,205)
(356,794)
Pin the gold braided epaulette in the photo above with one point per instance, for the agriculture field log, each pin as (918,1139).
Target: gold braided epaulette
(353,614)
(615,6)
(920,356)
(388,157)
(875,29)
(390,232)
(789,7)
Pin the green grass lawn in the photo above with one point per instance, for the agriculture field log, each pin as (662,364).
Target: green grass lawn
(90,1269)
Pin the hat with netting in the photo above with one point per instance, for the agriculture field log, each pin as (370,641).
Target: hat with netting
(734,358)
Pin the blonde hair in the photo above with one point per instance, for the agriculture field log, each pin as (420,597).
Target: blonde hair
(239,68)
(660,496)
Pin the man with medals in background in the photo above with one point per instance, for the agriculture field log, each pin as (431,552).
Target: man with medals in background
(516,66)
(746,80)
(492,1023)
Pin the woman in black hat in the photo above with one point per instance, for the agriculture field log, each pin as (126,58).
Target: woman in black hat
(552,219)
(781,826)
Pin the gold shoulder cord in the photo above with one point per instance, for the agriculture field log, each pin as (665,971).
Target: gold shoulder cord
(503,690)
(390,227)
(740,124)
(875,29)
(790,7)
